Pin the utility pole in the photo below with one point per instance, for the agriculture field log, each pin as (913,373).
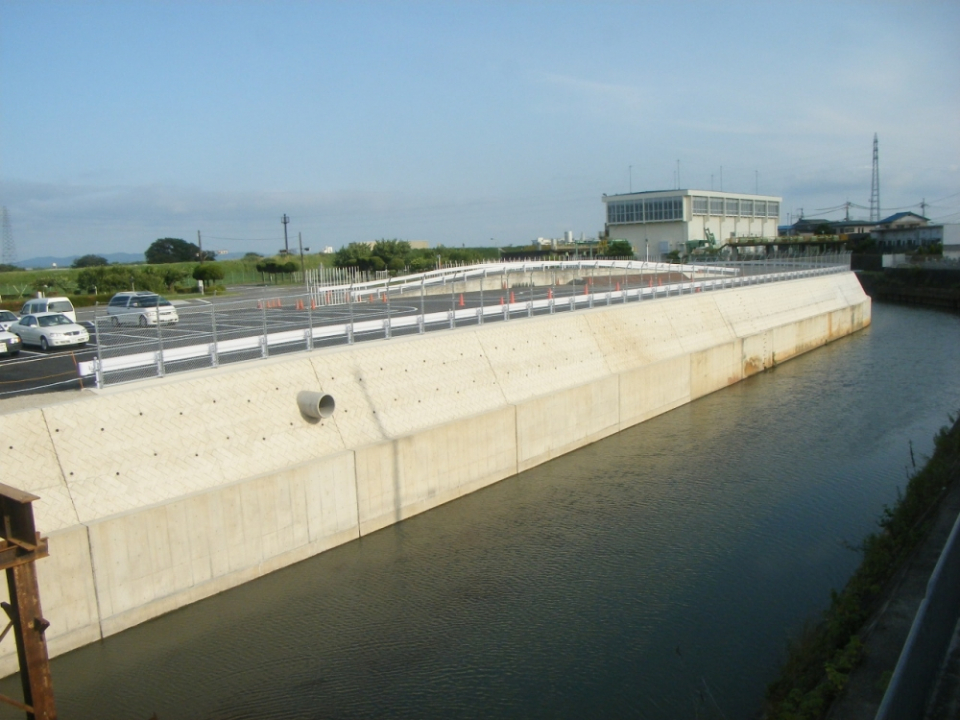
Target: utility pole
(302,269)
(200,244)
(923,207)
(286,245)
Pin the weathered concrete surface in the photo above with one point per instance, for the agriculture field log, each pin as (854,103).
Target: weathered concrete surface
(160,493)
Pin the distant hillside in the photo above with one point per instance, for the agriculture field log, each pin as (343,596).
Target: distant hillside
(49,260)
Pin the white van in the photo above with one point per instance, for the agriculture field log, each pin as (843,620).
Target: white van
(50,304)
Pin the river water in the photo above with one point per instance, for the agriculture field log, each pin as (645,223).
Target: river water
(656,574)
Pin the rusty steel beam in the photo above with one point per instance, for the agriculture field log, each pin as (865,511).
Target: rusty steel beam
(20,548)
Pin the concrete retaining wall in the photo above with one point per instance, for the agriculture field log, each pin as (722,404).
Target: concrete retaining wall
(163,492)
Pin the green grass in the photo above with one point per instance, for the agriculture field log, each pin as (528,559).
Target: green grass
(18,285)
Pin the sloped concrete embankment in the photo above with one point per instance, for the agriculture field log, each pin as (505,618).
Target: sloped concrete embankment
(158,494)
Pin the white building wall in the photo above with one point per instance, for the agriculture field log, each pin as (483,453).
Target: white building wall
(725,222)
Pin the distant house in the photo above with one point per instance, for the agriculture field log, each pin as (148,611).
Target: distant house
(906,231)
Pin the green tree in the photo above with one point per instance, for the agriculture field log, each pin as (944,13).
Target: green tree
(85,261)
(171,250)
(208,273)
(619,248)
(352,255)
(6,267)
(171,276)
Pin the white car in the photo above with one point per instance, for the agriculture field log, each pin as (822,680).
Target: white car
(49,330)
(141,308)
(9,343)
(50,304)
(7,318)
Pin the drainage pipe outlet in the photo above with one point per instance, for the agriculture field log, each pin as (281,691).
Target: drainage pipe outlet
(315,405)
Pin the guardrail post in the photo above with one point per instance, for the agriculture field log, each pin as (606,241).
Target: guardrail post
(160,368)
(264,350)
(214,354)
(350,299)
(98,360)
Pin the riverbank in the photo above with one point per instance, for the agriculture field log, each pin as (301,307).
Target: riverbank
(914,286)
(840,667)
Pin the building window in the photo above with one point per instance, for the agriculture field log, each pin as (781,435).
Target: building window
(699,206)
(773,209)
(760,208)
(731,208)
(716,206)
(746,208)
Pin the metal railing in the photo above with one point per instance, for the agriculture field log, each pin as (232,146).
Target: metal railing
(213,334)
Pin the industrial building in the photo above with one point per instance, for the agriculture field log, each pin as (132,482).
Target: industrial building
(662,221)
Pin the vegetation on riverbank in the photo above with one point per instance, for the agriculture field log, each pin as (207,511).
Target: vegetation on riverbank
(819,662)
(914,286)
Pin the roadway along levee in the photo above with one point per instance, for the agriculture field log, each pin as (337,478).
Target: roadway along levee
(160,493)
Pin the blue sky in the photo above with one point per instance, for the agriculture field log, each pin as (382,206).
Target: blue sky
(456,122)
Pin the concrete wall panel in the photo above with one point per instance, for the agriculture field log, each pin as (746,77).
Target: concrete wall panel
(401,478)
(653,389)
(541,355)
(555,424)
(713,369)
(30,463)
(634,335)
(140,445)
(202,544)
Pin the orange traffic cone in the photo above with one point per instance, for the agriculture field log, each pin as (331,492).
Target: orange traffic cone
(461,299)
(586,289)
(549,293)
(660,281)
(313,304)
(512,301)
(651,282)
(501,299)
(259,305)
(618,287)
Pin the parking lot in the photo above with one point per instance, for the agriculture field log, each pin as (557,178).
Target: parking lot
(254,313)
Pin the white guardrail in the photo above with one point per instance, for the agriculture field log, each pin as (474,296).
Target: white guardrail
(714,277)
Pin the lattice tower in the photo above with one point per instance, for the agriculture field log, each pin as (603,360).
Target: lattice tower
(9,249)
(875,184)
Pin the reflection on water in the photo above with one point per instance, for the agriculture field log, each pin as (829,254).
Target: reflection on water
(655,574)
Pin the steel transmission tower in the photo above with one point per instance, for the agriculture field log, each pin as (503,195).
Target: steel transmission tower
(9,254)
(875,184)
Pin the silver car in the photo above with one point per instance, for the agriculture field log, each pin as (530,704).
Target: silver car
(49,330)
(141,308)
(7,318)
(9,343)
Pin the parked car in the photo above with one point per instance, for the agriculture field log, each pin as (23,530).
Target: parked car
(50,304)
(141,308)
(49,330)
(7,318)
(9,343)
